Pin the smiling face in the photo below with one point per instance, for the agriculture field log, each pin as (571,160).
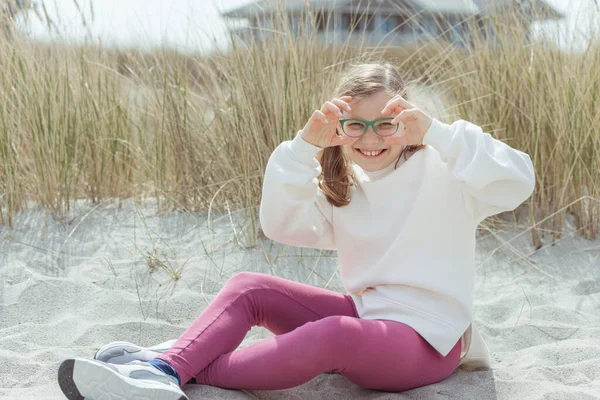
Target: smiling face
(369,108)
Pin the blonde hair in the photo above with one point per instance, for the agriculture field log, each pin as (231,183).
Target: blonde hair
(358,81)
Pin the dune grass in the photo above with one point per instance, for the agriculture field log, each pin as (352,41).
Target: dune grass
(195,132)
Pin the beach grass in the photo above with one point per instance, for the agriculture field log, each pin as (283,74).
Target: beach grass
(194,132)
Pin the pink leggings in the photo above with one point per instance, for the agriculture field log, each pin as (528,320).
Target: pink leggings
(316,331)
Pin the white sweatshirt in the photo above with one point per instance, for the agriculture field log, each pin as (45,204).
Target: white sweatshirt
(406,240)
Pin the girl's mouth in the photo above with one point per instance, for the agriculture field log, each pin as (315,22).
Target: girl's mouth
(371,154)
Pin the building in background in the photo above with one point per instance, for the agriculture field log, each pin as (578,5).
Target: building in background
(395,22)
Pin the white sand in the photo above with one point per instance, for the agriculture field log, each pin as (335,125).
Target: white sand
(60,298)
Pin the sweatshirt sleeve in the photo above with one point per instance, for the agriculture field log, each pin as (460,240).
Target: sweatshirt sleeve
(494,176)
(293,209)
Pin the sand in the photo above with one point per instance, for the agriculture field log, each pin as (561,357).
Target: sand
(67,289)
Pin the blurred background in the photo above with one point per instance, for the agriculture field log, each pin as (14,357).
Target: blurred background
(183,101)
(198,25)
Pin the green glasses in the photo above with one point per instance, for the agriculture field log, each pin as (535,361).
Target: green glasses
(355,127)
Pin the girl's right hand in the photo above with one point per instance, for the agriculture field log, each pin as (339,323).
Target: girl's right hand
(320,130)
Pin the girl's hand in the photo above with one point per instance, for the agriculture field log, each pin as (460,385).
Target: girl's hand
(320,130)
(416,122)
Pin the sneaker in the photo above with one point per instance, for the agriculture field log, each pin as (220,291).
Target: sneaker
(124,352)
(81,378)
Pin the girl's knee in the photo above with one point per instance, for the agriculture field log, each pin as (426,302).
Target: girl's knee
(247,280)
(245,284)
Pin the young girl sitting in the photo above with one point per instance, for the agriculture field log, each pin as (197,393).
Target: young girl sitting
(399,195)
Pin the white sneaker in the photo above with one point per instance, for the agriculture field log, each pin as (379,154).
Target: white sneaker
(81,378)
(124,352)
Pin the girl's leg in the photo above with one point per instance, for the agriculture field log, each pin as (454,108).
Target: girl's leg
(250,299)
(374,354)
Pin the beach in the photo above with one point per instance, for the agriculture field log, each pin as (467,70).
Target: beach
(115,271)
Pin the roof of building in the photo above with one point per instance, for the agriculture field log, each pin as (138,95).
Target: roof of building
(461,7)
(444,6)
(392,6)
(544,10)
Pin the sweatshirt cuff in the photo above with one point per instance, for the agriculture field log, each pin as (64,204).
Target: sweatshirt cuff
(438,136)
(302,150)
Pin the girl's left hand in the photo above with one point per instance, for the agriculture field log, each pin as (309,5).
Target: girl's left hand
(416,122)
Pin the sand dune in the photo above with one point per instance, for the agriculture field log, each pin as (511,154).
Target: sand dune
(67,289)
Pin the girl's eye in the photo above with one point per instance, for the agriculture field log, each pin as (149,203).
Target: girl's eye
(356,125)
(385,125)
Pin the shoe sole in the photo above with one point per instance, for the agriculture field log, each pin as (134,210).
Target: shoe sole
(115,352)
(76,382)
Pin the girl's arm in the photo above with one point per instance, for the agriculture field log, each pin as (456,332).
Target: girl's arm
(494,176)
(293,209)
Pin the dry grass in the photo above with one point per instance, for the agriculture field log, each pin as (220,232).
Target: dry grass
(195,132)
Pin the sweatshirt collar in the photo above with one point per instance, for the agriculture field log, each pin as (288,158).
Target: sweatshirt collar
(379,173)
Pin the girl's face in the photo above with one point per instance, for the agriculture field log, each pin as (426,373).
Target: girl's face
(369,108)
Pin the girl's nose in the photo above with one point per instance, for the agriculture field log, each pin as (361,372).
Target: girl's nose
(370,136)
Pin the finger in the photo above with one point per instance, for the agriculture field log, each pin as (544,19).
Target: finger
(341,104)
(341,140)
(407,116)
(391,108)
(403,102)
(331,109)
(321,116)
(395,109)
(401,124)
(396,104)
(346,98)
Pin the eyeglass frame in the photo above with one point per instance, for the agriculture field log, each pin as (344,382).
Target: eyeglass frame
(367,124)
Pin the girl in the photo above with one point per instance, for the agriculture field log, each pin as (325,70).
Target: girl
(399,195)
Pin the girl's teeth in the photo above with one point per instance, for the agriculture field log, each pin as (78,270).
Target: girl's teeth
(371,153)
